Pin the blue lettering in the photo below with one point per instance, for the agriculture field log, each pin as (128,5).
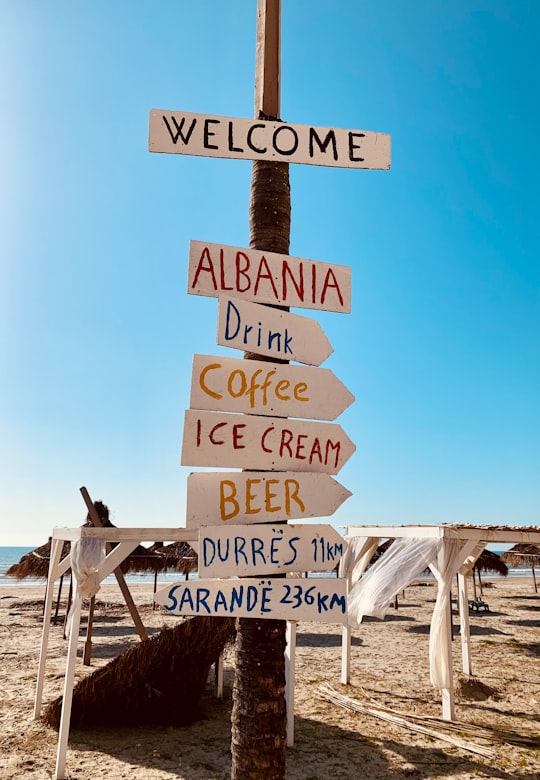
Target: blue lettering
(288,340)
(340,601)
(202,597)
(272,337)
(257,547)
(186,599)
(171,596)
(223,556)
(321,602)
(209,551)
(237,596)
(220,601)
(239,544)
(265,599)
(293,550)
(232,310)
(251,598)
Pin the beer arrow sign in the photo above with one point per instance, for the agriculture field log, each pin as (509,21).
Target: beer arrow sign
(315,598)
(252,387)
(243,551)
(244,497)
(267,443)
(271,332)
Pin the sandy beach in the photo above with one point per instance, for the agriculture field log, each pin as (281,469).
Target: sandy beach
(389,671)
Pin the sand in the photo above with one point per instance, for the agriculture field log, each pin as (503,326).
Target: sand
(389,669)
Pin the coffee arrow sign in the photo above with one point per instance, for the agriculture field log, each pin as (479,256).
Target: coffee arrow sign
(243,551)
(252,387)
(244,497)
(268,443)
(268,277)
(322,599)
(271,332)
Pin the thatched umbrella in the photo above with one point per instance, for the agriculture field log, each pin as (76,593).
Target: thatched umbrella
(158,681)
(523,554)
(35,563)
(178,556)
(488,561)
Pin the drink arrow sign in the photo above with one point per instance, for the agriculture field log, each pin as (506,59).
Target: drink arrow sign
(252,327)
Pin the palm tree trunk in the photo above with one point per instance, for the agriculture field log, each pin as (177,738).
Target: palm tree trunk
(259,716)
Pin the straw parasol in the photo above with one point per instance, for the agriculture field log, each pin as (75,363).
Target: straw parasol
(488,561)
(158,681)
(178,556)
(523,554)
(35,563)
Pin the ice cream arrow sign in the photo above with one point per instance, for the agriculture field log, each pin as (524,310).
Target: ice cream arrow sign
(316,598)
(204,135)
(245,497)
(271,332)
(249,386)
(247,441)
(268,277)
(243,551)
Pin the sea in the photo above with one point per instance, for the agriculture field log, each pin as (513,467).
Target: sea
(11,555)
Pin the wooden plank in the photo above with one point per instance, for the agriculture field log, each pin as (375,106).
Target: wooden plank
(315,598)
(251,387)
(266,331)
(243,551)
(207,135)
(125,534)
(245,497)
(268,56)
(268,443)
(268,277)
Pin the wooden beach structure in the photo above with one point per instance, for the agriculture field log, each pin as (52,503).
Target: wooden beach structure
(455,549)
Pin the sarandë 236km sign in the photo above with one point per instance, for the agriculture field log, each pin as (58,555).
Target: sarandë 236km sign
(317,598)
(204,135)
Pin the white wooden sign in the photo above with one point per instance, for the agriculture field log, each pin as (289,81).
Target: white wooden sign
(244,497)
(322,599)
(206,135)
(243,551)
(271,332)
(267,277)
(253,387)
(269,443)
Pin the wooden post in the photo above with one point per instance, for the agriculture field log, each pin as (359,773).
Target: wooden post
(464,624)
(290,678)
(259,714)
(56,552)
(118,573)
(88,644)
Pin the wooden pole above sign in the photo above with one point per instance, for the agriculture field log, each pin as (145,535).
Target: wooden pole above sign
(268,277)
(206,135)
(271,389)
(263,330)
(247,441)
(248,497)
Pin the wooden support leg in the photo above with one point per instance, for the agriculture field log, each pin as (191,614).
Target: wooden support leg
(55,618)
(65,717)
(345,654)
(465,628)
(88,644)
(56,551)
(219,678)
(290,656)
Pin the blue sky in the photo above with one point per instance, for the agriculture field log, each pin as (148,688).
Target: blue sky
(97,332)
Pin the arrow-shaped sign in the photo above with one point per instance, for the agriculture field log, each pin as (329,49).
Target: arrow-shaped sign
(244,497)
(314,598)
(269,443)
(243,551)
(271,332)
(252,387)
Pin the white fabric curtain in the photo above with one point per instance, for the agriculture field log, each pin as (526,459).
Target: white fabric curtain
(404,560)
(358,553)
(444,569)
(87,555)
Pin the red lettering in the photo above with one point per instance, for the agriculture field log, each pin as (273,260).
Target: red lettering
(300,446)
(286,438)
(315,451)
(263,438)
(242,272)
(331,446)
(222,271)
(206,268)
(330,281)
(236,435)
(266,275)
(298,285)
(214,429)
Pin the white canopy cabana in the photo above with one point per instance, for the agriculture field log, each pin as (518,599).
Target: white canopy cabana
(448,550)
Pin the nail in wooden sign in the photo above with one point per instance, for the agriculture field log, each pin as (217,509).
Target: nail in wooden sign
(268,277)
(249,497)
(271,389)
(243,551)
(322,599)
(268,443)
(252,327)
(205,135)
